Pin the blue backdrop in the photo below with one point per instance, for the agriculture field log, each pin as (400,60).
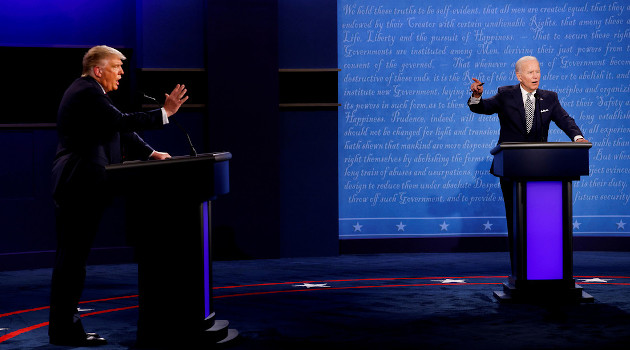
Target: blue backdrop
(414,161)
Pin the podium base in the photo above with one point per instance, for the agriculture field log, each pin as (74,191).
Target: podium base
(572,295)
(219,333)
(214,334)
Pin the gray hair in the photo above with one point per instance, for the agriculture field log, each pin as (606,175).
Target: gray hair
(96,55)
(519,63)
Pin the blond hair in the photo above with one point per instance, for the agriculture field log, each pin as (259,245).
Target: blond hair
(96,55)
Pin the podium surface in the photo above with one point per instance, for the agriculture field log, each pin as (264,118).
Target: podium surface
(168,211)
(542,175)
(545,160)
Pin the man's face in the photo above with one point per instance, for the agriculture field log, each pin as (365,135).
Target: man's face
(529,75)
(109,73)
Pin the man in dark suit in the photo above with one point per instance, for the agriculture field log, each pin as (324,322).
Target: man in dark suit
(92,134)
(525,113)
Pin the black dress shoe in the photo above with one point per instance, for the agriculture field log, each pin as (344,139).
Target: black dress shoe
(89,339)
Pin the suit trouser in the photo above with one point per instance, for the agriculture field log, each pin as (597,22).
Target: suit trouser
(77,224)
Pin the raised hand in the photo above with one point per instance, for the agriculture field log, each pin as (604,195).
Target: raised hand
(476,88)
(175,99)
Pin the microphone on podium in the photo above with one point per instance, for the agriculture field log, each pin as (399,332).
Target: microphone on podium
(193,152)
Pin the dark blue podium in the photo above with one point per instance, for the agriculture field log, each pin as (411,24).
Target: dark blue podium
(168,207)
(542,262)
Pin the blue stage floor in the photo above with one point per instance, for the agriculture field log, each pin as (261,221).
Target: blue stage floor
(382,301)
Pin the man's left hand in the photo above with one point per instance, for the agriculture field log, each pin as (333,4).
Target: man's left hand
(175,99)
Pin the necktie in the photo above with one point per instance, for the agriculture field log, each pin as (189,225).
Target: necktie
(529,112)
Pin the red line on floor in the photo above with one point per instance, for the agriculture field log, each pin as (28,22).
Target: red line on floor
(355,280)
(354,287)
(23,311)
(110,310)
(109,299)
(28,329)
(81,302)
(40,325)
(20,331)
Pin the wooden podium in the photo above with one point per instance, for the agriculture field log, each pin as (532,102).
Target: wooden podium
(542,263)
(168,223)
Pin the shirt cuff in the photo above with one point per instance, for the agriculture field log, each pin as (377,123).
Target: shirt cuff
(578,137)
(474,100)
(164,116)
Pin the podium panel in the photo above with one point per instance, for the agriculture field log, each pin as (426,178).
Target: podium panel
(544,230)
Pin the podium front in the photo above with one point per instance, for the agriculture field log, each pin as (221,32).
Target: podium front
(542,262)
(168,207)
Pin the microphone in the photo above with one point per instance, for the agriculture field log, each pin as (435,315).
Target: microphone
(193,152)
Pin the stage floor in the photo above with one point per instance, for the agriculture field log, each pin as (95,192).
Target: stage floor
(380,301)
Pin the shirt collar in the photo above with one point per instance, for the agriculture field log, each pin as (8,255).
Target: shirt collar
(524,92)
(99,84)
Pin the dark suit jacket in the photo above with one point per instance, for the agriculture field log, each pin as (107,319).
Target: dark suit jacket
(92,134)
(508,104)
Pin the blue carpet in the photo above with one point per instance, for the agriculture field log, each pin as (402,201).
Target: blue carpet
(382,301)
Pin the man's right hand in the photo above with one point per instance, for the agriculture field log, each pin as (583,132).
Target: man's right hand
(476,88)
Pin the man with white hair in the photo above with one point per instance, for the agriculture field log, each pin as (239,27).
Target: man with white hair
(525,113)
(92,134)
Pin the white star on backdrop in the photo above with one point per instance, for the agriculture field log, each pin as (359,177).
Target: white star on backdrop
(357,227)
(401,227)
(444,226)
(576,225)
(312,285)
(621,225)
(487,226)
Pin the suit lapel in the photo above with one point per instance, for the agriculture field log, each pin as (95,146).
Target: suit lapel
(542,101)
